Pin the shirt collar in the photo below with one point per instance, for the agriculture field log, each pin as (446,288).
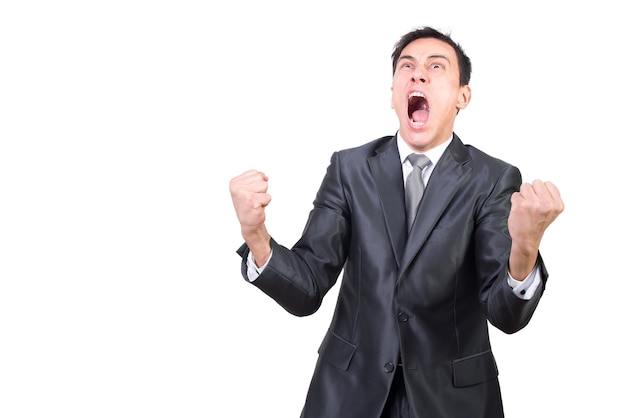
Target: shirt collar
(433,154)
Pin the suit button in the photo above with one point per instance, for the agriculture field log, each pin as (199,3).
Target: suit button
(389,367)
(403,317)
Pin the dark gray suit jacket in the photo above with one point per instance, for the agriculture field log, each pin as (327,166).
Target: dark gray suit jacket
(424,299)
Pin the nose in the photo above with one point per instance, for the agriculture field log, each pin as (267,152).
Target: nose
(418,76)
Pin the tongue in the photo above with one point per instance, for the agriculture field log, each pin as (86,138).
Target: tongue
(420,116)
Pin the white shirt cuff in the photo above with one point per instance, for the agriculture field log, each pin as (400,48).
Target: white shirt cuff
(253,271)
(526,288)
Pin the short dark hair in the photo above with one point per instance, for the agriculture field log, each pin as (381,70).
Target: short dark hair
(465,65)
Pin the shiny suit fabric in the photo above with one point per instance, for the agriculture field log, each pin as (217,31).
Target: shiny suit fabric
(422,298)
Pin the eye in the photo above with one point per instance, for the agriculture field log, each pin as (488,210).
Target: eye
(406,64)
(436,66)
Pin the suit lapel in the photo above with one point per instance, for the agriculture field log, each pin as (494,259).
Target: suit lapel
(387,174)
(448,175)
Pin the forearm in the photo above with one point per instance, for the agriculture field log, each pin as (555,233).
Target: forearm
(522,259)
(258,241)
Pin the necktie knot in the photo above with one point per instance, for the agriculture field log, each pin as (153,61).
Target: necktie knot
(418,160)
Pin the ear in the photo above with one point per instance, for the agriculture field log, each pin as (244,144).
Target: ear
(391,101)
(465,95)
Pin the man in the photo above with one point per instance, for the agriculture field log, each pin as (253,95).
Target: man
(409,336)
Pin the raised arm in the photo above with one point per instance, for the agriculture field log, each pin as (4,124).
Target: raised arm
(249,194)
(533,209)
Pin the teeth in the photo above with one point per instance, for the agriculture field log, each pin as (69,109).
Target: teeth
(416,94)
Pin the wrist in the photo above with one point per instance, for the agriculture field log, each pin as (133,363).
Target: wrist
(258,241)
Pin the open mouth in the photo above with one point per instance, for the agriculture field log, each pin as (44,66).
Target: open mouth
(418,109)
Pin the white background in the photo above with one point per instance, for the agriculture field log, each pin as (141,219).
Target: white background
(121,123)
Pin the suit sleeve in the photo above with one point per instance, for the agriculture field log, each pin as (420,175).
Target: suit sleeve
(504,309)
(299,278)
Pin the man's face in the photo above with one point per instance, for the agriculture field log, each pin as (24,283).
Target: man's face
(426,94)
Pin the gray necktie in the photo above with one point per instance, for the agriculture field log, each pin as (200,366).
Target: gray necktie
(414,188)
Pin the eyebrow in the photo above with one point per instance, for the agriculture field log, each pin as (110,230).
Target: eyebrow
(411,57)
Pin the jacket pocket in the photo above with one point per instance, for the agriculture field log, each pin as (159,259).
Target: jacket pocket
(474,369)
(336,351)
